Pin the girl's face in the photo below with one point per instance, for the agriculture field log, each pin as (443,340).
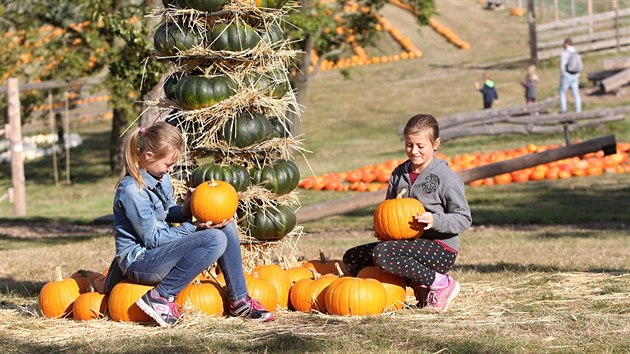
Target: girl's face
(420,149)
(158,167)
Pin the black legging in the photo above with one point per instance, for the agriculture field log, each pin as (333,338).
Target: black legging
(417,259)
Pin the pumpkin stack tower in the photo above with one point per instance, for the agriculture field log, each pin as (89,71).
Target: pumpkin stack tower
(228,92)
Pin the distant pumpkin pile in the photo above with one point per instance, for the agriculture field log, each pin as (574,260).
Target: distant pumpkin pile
(318,285)
(229,94)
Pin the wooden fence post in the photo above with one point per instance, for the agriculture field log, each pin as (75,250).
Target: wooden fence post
(616,9)
(51,121)
(66,123)
(533,43)
(14,131)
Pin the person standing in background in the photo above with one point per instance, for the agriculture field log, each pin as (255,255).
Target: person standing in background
(488,91)
(570,66)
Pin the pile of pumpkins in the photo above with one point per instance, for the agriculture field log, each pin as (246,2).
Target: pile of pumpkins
(316,285)
(228,92)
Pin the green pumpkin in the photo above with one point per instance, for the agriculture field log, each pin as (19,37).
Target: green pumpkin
(273,36)
(246,129)
(272,4)
(169,86)
(270,224)
(280,129)
(273,84)
(201,5)
(170,39)
(236,36)
(194,92)
(236,175)
(281,177)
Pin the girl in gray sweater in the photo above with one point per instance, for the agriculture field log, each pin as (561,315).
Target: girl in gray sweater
(424,261)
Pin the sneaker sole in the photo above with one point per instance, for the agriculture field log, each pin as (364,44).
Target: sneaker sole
(149,311)
(452,296)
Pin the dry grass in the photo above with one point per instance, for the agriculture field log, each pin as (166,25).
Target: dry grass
(532,289)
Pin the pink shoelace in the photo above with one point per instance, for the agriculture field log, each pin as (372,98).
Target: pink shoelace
(256,305)
(174,309)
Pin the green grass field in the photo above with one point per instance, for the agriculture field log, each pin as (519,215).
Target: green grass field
(545,267)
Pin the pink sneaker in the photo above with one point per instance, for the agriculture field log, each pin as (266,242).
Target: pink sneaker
(439,299)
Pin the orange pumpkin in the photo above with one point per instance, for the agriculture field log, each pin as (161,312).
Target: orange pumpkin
(86,279)
(89,306)
(394,218)
(393,284)
(263,291)
(122,302)
(308,295)
(56,297)
(205,296)
(278,278)
(355,296)
(323,265)
(298,273)
(214,201)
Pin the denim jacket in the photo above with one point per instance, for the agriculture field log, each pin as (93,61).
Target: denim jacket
(142,217)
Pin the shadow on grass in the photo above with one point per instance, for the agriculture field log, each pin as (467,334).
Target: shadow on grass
(22,289)
(503,267)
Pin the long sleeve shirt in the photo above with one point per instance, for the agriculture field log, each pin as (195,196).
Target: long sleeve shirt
(441,192)
(142,217)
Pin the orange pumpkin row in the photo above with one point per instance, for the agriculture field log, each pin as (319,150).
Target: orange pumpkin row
(375,177)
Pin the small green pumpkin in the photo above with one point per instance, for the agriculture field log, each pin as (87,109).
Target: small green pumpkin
(201,5)
(281,177)
(236,175)
(281,128)
(269,224)
(272,4)
(194,92)
(246,129)
(170,39)
(273,35)
(236,36)
(273,84)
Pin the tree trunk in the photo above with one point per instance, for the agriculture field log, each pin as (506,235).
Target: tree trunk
(152,114)
(119,123)
(300,83)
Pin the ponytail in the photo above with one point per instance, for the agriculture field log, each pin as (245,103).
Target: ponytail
(161,138)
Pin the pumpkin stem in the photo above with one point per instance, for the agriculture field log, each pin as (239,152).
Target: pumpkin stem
(341,273)
(402,192)
(92,286)
(212,182)
(322,256)
(58,273)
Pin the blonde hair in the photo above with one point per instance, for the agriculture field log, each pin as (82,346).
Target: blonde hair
(161,139)
(423,123)
(531,72)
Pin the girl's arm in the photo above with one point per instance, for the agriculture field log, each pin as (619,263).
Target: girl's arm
(456,217)
(140,211)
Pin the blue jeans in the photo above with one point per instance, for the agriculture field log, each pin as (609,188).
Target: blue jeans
(173,266)
(570,81)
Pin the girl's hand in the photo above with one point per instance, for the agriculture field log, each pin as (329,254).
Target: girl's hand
(210,225)
(425,218)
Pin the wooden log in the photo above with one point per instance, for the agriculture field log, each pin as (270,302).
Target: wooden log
(579,40)
(599,45)
(345,205)
(606,143)
(616,63)
(597,76)
(616,81)
(466,117)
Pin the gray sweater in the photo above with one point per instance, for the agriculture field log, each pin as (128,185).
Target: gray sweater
(441,191)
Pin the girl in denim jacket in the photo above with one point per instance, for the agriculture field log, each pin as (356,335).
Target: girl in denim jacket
(149,250)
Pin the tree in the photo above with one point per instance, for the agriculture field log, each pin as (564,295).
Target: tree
(330,28)
(69,39)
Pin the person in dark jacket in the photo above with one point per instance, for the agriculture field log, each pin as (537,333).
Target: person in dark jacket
(488,91)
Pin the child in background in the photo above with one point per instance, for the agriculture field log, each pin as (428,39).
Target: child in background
(424,261)
(151,251)
(488,91)
(529,83)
